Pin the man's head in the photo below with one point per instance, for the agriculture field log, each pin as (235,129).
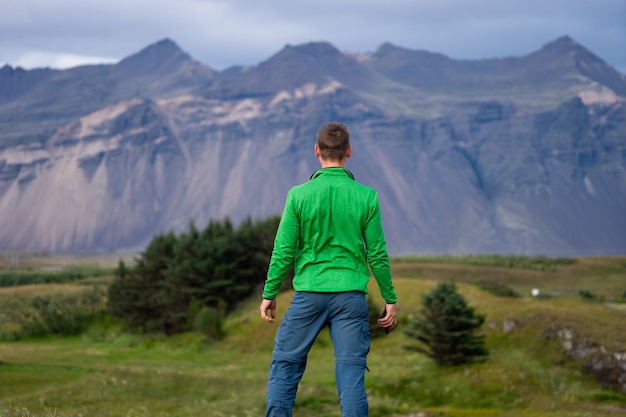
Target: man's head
(333,142)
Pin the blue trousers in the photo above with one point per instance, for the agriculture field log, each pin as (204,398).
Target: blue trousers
(346,315)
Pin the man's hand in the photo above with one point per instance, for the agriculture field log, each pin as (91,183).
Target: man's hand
(389,321)
(271,306)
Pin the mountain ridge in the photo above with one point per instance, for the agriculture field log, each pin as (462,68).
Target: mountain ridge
(495,155)
(557,66)
(293,66)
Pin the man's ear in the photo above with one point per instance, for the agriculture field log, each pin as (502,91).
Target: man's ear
(317,151)
(349,151)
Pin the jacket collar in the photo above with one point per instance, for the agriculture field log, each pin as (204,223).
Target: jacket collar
(332,170)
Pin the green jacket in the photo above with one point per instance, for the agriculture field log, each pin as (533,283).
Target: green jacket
(329,231)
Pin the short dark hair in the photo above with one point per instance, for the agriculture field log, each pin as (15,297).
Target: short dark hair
(333,140)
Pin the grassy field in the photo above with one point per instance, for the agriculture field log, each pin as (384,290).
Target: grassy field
(105,372)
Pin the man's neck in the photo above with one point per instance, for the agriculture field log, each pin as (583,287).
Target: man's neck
(333,164)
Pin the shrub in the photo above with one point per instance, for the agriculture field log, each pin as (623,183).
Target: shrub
(586,294)
(208,321)
(497,288)
(55,313)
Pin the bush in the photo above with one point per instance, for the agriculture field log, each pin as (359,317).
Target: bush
(56,313)
(208,321)
(497,288)
(586,294)
(446,328)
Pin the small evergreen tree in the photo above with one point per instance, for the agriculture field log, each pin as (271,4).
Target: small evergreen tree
(446,328)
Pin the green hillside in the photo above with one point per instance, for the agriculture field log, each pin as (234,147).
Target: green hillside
(105,372)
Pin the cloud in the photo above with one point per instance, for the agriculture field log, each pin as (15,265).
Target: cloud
(60,60)
(221,33)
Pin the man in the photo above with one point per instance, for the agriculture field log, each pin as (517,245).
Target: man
(330,231)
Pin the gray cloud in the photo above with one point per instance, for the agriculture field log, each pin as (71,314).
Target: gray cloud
(244,32)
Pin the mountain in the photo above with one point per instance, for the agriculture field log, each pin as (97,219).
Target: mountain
(315,63)
(558,71)
(38,102)
(519,155)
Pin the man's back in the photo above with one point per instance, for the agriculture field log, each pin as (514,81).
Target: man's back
(333,211)
(324,228)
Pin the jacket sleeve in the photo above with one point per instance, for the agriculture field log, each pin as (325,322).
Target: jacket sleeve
(377,255)
(285,245)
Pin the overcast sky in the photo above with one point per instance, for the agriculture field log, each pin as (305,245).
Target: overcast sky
(66,33)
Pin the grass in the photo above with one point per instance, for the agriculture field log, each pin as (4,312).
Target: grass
(105,372)
(538,263)
(603,276)
(15,278)
(32,269)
